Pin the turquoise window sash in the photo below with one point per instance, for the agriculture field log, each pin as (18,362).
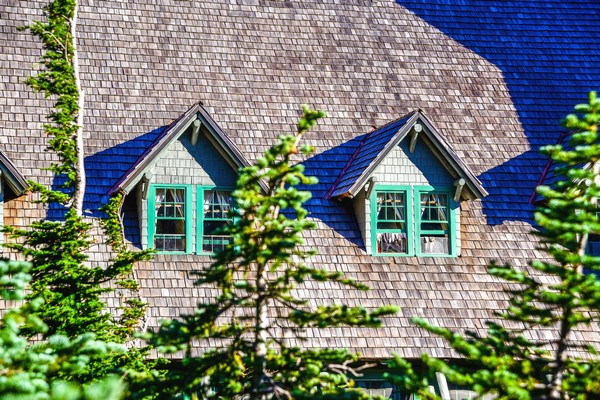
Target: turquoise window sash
(451,210)
(200,190)
(187,216)
(406,190)
(413,225)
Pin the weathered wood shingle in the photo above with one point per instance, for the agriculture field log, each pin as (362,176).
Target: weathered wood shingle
(494,76)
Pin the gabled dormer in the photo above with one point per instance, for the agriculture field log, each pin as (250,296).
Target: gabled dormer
(12,184)
(183,183)
(406,184)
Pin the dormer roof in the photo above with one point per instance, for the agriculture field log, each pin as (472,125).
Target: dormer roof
(196,115)
(12,176)
(378,143)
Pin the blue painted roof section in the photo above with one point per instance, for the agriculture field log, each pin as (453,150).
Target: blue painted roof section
(151,151)
(106,167)
(548,52)
(366,154)
(172,132)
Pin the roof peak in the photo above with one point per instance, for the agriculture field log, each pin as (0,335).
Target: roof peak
(172,132)
(377,144)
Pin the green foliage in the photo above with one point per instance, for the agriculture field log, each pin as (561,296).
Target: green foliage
(57,79)
(70,289)
(37,370)
(254,278)
(69,284)
(512,363)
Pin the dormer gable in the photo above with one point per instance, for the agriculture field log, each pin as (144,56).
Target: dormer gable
(182,185)
(406,183)
(377,144)
(198,125)
(11,177)
(12,184)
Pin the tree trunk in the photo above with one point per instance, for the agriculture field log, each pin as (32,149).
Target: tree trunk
(80,182)
(260,340)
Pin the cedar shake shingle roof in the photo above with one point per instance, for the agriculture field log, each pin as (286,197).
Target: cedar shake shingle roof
(378,143)
(495,77)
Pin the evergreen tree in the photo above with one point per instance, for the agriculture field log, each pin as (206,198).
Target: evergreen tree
(508,362)
(28,370)
(70,287)
(254,277)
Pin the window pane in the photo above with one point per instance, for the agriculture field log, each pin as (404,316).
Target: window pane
(170,222)
(169,243)
(170,202)
(434,244)
(434,224)
(210,227)
(170,226)
(217,204)
(390,206)
(392,243)
(211,241)
(390,225)
(214,243)
(434,207)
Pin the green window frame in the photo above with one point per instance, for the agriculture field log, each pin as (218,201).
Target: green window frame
(413,221)
(214,205)
(169,218)
(391,218)
(435,226)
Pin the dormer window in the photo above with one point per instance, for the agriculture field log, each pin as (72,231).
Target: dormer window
(169,219)
(181,186)
(405,183)
(217,207)
(413,220)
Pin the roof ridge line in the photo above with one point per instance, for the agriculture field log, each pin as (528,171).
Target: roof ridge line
(348,164)
(410,113)
(153,145)
(357,151)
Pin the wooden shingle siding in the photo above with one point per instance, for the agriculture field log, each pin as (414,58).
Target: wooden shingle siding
(185,164)
(494,77)
(401,167)
(1,209)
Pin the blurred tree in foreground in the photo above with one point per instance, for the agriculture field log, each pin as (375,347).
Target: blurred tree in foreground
(29,370)
(508,363)
(254,277)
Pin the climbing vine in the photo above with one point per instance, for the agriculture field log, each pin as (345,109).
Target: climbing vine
(71,286)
